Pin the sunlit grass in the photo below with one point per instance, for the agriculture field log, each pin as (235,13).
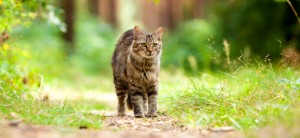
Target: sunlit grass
(37,112)
(20,100)
(248,98)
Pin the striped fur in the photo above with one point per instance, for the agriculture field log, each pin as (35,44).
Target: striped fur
(136,66)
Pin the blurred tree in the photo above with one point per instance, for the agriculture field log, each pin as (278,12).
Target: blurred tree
(69,9)
(152,13)
(199,8)
(94,7)
(108,10)
(105,9)
(169,13)
(194,9)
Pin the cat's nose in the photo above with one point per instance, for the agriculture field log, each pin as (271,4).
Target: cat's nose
(150,52)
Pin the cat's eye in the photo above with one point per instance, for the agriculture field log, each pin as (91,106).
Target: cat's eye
(144,44)
(155,44)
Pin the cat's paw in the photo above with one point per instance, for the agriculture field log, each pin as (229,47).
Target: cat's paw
(121,114)
(139,116)
(152,115)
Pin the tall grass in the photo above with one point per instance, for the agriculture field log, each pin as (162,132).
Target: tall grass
(251,97)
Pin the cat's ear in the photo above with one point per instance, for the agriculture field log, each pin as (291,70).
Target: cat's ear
(159,32)
(137,31)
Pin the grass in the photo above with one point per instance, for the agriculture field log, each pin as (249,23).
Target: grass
(48,113)
(249,98)
(20,97)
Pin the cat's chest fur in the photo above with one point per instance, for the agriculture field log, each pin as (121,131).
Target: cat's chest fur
(144,77)
(141,74)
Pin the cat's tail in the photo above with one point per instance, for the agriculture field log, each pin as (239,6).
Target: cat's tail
(129,103)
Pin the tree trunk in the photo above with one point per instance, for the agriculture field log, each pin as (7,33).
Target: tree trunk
(69,9)
(168,13)
(108,11)
(94,7)
(198,8)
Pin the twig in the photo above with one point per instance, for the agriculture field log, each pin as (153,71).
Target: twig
(295,12)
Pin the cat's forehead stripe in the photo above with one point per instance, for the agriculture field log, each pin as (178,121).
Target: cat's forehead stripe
(149,38)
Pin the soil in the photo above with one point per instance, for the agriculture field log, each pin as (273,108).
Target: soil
(117,127)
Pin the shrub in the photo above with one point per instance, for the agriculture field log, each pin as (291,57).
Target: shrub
(188,46)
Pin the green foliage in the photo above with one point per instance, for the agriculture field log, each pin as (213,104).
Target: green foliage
(31,58)
(263,26)
(242,29)
(11,74)
(95,45)
(249,98)
(18,86)
(44,49)
(15,13)
(188,46)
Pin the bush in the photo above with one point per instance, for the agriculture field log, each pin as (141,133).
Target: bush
(188,46)
(95,45)
(15,79)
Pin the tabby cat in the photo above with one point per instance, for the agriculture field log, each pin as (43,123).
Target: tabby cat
(136,66)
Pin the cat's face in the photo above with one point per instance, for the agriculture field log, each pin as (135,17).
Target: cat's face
(147,45)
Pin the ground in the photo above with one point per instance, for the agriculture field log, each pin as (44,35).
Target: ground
(164,126)
(116,127)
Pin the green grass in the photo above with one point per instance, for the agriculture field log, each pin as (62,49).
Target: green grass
(48,113)
(20,97)
(249,98)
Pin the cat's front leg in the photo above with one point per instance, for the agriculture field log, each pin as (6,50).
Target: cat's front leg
(145,103)
(122,95)
(152,102)
(137,101)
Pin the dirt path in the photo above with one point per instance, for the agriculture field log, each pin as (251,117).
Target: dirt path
(116,127)
(161,127)
(113,126)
